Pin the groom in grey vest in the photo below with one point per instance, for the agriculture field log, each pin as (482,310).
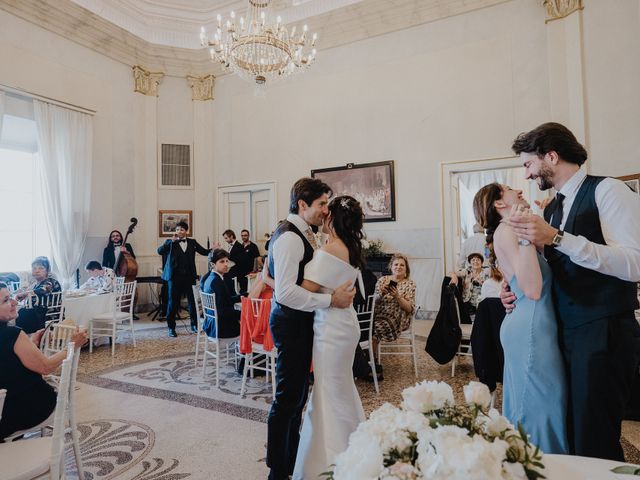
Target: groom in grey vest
(591,240)
(291,248)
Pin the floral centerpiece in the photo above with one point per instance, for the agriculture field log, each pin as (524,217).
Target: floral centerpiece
(430,437)
(372,248)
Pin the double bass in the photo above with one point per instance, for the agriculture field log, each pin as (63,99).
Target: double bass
(127,266)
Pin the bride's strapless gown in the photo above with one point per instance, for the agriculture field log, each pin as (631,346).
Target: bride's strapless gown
(534,386)
(334,409)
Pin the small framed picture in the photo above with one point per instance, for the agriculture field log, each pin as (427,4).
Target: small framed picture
(168,219)
(632,181)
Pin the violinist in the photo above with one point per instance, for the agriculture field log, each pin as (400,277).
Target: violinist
(114,247)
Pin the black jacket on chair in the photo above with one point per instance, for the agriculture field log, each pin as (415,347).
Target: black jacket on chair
(488,356)
(444,338)
(168,248)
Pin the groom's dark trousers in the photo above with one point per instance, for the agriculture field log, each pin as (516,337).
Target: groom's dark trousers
(293,337)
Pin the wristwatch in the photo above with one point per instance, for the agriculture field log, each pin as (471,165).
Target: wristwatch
(557,238)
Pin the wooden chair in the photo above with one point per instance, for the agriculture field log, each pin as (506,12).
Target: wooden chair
(42,458)
(267,363)
(226,344)
(405,344)
(365,319)
(107,324)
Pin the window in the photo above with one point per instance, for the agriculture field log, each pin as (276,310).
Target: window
(23,232)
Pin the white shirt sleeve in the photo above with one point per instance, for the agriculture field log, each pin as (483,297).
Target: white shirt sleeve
(619,211)
(288,252)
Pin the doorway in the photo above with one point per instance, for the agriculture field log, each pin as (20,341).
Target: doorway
(248,206)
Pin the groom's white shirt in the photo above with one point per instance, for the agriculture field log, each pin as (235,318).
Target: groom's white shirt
(288,252)
(619,212)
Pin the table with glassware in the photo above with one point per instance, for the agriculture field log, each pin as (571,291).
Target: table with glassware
(81,307)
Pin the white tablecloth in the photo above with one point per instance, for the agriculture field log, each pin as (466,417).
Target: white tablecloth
(82,309)
(565,467)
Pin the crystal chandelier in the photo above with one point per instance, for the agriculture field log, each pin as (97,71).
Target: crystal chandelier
(258,49)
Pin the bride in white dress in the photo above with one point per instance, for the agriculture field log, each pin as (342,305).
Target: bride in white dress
(334,409)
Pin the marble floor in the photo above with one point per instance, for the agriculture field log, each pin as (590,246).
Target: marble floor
(185,427)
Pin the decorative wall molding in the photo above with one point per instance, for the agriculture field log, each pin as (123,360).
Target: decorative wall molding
(146,82)
(557,9)
(201,87)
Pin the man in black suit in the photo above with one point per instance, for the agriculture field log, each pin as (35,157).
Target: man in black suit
(112,251)
(236,255)
(180,273)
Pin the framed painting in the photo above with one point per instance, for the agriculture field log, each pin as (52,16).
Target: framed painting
(168,219)
(372,184)
(632,181)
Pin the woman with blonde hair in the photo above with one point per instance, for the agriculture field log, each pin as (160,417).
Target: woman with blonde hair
(534,386)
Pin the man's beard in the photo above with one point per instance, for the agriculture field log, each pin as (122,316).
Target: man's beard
(545,179)
(117,244)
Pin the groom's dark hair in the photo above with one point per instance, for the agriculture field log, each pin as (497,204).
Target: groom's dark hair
(549,137)
(308,190)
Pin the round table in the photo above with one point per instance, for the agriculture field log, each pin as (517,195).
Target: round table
(567,467)
(82,309)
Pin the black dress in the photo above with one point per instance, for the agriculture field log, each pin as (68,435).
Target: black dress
(30,400)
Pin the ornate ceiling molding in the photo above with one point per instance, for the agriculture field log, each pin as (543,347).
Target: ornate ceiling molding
(146,82)
(201,87)
(341,26)
(557,9)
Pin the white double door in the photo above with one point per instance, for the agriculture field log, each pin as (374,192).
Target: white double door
(250,207)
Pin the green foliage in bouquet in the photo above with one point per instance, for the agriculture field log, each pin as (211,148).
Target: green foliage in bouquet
(372,248)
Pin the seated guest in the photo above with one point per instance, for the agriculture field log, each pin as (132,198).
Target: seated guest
(30,400)
(228,316)
(395,302)
(472,280)
(101,279)
(112,250)
(32,318)
(492,285)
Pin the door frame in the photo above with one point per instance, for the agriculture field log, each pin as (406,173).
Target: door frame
(247,187)
(448,203)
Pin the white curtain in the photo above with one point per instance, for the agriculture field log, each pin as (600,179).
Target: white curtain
(1,109)
(65,139)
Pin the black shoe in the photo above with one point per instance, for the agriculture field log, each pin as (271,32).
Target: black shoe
(172,333)
(194,328)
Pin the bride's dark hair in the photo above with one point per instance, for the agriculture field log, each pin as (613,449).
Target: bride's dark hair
(347,219)
(487,215)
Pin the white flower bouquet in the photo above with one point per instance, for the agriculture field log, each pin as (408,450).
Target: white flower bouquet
(430,437)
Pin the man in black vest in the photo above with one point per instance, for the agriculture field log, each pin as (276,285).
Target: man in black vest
(292,247)
(180,273)
(592,244)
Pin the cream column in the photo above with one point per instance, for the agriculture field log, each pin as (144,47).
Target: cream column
(565,44)
(204,188)
(146,167)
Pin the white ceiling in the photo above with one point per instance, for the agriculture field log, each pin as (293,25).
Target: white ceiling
(177,23)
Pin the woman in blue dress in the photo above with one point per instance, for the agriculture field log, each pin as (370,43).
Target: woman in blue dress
(534,386)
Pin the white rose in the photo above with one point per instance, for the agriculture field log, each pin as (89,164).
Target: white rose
(426,397)
(365,243)
(494,423)
(401,471)
(513,471)
(362,460)
(477,393)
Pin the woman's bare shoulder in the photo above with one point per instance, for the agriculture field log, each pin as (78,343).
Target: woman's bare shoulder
(337,249)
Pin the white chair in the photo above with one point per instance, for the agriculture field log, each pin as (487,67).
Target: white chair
(267,363)
(14,287)
(405,344)
(464,347)
(56,337)
(107,324)
(3,393)
(41,458)
(119,283)
(365,319)
(226,344)
(55,307)
(200,318)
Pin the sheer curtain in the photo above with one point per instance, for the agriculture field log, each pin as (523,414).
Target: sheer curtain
(65,139)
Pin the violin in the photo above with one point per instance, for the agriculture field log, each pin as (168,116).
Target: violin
(127,266)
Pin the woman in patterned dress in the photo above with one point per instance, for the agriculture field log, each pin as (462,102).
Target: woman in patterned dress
(32,318)
(472,280)
(395,303)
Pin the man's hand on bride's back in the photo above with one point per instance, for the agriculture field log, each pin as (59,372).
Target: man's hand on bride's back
(342,296)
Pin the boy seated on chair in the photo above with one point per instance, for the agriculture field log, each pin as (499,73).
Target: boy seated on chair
(228,316)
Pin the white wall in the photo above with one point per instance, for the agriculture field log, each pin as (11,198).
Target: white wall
(457,89)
